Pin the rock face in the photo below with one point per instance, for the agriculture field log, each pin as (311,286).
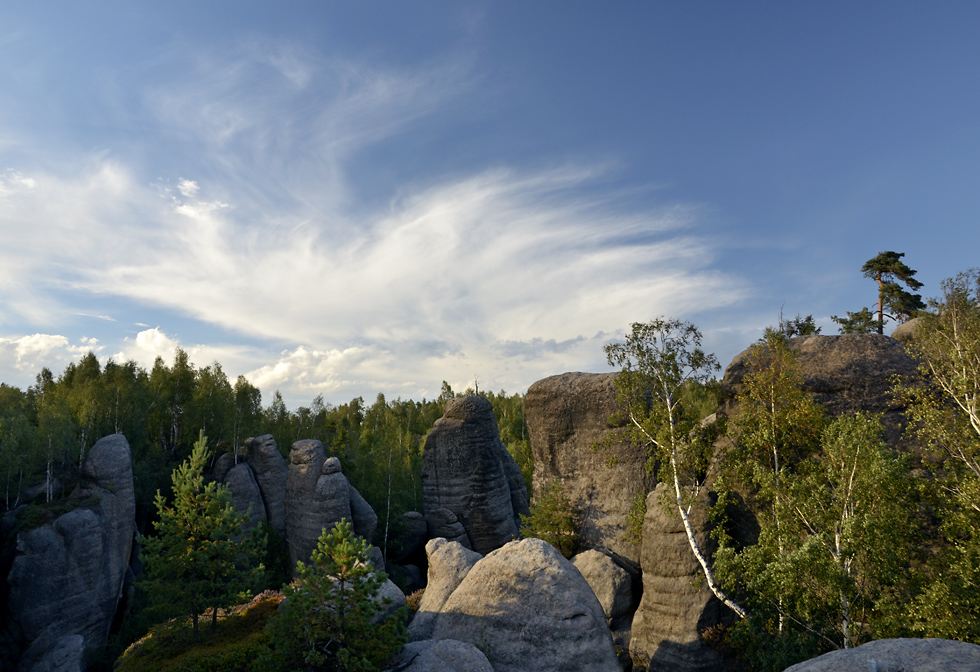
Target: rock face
(270,470)
(314,501)
(566,415)
(67,655)
(364,519)
(444,655)
(675,604)
(443,523)
(845,374)
(467,470)
(449,563)
(900,655)
(529,609)
(245,494)
(67,576)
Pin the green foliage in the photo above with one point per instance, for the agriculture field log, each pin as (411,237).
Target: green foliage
(634,519)
(325,622)
(200,557)
(890,273)
(945,411)
(798,326)
(553,519)
(173,647)
(861,322)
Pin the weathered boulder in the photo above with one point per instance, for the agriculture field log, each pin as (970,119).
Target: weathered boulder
(314,501)
(566,416)
(905,332)
(222,466)
(612,585)
(67,576)
(467,470)
(390,599)
(263,456)
(676,605)
(443,523)
(449,563)
(898,655)
(845,374)
(245,494)
(529,609)
(444,655)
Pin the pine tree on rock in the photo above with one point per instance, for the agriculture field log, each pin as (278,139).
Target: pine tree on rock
(200,558)
(888,271)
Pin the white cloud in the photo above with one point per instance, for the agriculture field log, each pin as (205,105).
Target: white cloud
(21,358)
(146,347)
(188,188)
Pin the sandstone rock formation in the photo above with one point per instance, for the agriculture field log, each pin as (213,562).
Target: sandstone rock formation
(314,501)
(270,470)
(468,471)
(676,604)
(363,517)
(444,655)
(245,494)
(67,655)
(449,563)
(566,416)
(67,576)
(612,584)
(898,655)
(443,523)
(529,609)
(845,374)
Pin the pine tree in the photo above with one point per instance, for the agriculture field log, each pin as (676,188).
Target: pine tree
(327,619)
(200,557)
(888,271)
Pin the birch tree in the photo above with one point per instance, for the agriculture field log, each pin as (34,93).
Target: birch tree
(658,363)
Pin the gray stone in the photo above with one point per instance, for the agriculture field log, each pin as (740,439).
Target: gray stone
(263,456)
(898,655)
(612,584)
(449,563)
(467,470)
(331,466)
(67,655)
(314,502)
(443,523)
(567,415)
(676,604)
(67,576)
(245,494)
(905,332)
(377,557)
(364,519)
(222,466)
(530,610)
(390,599)
(444,655)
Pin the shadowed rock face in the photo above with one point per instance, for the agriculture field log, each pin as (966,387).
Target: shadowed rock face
(314,501)
(566,415)
(529,609)
(676,604)
(845,374)
(245,494)
(67,576)
(263,456)
(468,471)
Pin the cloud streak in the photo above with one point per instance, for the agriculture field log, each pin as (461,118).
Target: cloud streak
(507,273)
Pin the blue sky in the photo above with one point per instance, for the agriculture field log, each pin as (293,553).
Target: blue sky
(345,198)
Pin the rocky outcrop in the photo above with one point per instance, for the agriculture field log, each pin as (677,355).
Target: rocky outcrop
(443,523)
(363,517)
(529,609)
(449,563)
(67,576)
(263,456)
(612,585)
(898,655)
(845,374)
(314,501)
(567,416)
(245,494)
(67,655)
(468,471)
(676,605)
(444,655)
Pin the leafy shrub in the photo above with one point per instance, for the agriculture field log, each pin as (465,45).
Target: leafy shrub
(553,519)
